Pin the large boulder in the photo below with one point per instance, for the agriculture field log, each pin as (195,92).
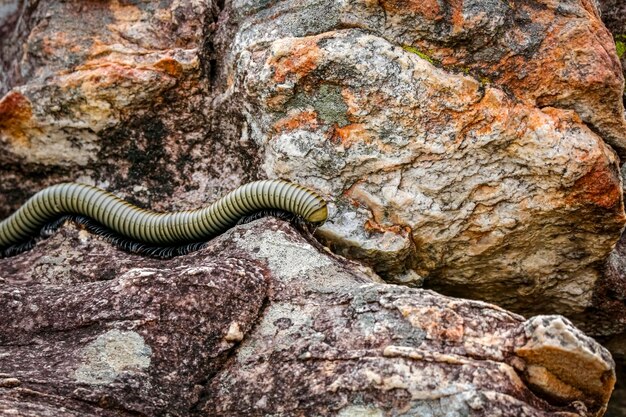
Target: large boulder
(459,146)
(262,322)
(113,94)
(472,147)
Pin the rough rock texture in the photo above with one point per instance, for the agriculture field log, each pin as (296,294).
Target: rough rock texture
(614,17)
(607,320)
(463,145)
(610,319)
(91,328)
(467,145)
(113,94)
(263,323)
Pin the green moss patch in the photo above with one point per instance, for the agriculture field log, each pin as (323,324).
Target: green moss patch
(419,53)
(620,45)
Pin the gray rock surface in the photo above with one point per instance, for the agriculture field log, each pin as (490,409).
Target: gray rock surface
(614,17)
(263,323)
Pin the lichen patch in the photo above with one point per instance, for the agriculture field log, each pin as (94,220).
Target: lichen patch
(110,354)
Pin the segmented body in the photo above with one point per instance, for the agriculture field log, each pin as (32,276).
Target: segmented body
(163,229)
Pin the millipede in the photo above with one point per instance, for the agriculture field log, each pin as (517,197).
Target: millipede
(149,232)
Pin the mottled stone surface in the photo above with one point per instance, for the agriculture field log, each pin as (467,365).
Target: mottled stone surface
(116,94)
(467,145)
(458,143)
(607,320)
(614,17)
(88,330)
(263,323)
(609,317)
(464,145)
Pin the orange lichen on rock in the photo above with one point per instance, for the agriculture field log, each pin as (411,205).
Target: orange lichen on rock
(301,59)
(438,323)
(353,100)
(350,134)
(456,13)
(301,120)
(115,79)
(601,187)
(372,226)
(550,73)
(430,9)
(170,66)
(14,108)
(15,112)
(562,116)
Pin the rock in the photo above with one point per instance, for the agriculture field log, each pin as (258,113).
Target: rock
(480,167)
(116,95)
(617,405)
(467,146)
(460,151)
(100,332)
(614,17)
(263,323)
(607,320)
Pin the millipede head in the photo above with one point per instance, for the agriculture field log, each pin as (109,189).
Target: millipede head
(319,214)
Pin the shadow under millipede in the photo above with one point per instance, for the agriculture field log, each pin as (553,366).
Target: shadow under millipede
(139,248)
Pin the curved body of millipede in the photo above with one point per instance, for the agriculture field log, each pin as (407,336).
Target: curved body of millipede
(153,228)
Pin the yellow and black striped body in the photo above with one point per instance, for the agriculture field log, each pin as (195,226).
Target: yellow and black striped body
(162,229)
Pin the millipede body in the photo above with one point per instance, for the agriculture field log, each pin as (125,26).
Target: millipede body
(154,228)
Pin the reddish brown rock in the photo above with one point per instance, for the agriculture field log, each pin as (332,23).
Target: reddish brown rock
(470,174)
(432,173)
(547,53)
(262,323)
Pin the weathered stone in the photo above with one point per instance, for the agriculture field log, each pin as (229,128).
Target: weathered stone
(480,175)
(88,328)
(607,318)
(617,405)
(262,323)
(461,142)
(472,176)
(614,17)
(479,189)
(117,95)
